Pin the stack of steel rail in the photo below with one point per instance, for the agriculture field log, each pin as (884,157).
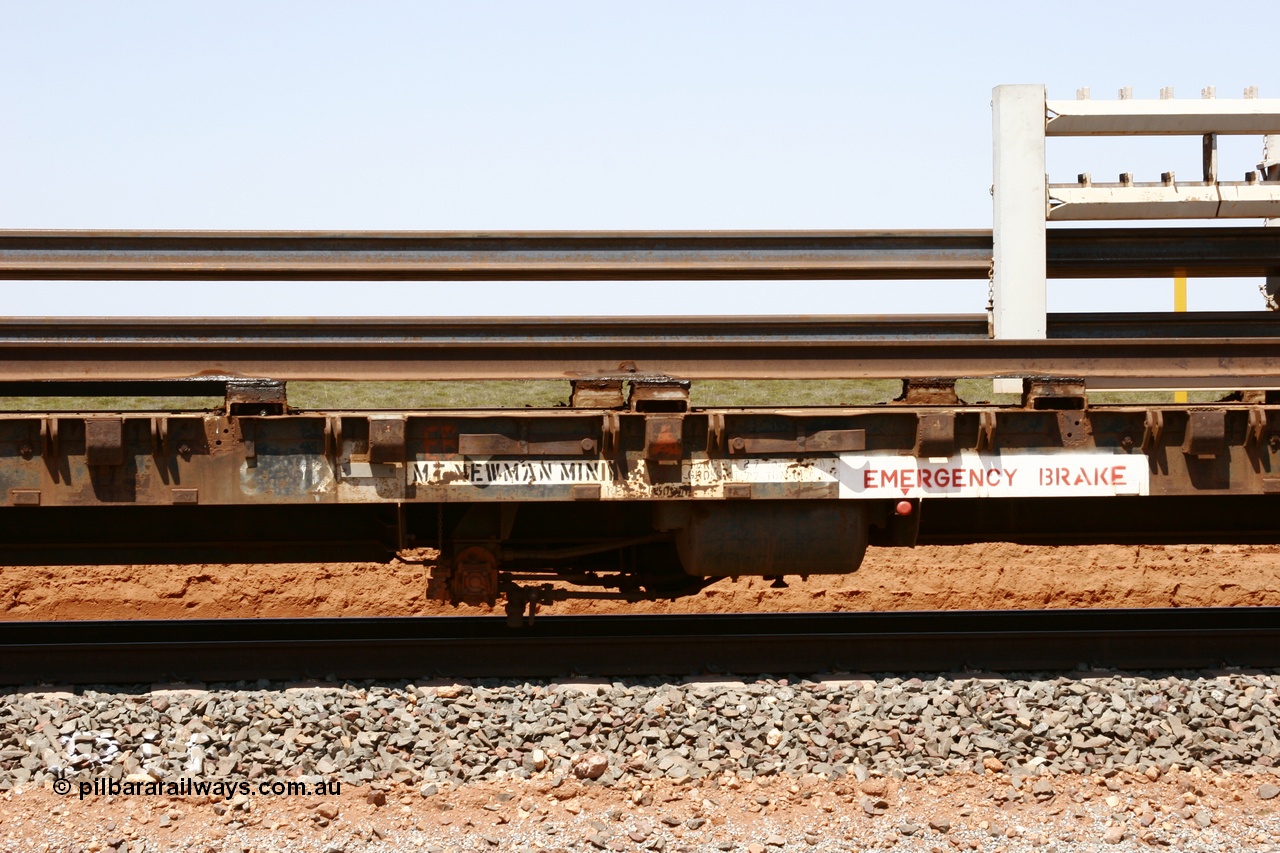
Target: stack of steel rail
(1202,350)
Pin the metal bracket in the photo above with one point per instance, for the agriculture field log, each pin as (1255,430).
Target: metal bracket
(1152,429)
(664,438)
(259,397)
(49,437)
(659,395)
(1074,428)
(935,434)
(160,437)
(24,497)
(387,440)
(986,431)
(249,442)
(611,434)
(715,434)
(596,394)
(1257,430)
(1054,393)
(333,437)
(104,441)
(1206,433)
(928,392)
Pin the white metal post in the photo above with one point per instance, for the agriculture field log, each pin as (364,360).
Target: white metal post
(1020,197)
(1019,192)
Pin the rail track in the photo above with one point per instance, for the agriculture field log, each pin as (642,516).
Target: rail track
(476,647)
(620,255)
(1225,350)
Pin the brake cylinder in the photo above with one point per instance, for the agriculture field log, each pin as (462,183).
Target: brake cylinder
(770,538)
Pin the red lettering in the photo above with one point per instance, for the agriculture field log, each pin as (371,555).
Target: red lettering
(925,476)
(1008,475)
(1117,476)
(889,478)
(868,481)
(942,478)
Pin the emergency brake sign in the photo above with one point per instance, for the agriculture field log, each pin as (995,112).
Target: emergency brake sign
(975,475)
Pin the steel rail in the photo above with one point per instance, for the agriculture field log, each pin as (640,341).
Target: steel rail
(622,255)
(566,331)
(690,348)
(242,649)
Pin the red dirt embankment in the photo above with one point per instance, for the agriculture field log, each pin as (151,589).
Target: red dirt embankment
(991,576)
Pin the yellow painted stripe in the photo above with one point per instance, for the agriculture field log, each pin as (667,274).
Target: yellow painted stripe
(1180,304)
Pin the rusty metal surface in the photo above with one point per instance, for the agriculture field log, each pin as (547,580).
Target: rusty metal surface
(301,255)
(503,456)
(1219,349)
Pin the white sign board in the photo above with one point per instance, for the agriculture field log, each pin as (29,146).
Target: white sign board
(859,476)
(997,475)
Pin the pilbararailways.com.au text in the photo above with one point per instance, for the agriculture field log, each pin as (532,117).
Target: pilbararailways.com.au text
(205,787)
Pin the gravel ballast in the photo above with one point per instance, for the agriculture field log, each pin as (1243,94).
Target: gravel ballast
(626,731)
(865,746)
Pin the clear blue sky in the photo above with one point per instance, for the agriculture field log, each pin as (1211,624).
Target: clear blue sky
(574,115)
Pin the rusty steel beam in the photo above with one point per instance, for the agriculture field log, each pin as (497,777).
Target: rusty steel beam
(302,255)
(687,348)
